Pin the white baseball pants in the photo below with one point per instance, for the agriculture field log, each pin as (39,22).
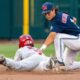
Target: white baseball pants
(34,62)
(66,47)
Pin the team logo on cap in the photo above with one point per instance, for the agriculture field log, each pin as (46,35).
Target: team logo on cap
(44,7)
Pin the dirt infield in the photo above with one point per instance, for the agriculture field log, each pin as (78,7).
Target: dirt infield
(14,75)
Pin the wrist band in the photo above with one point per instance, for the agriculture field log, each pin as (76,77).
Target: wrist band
(43,47)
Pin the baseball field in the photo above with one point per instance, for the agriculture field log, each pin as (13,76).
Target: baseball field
(8,48)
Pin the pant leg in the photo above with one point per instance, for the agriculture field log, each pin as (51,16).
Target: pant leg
(43,65)
(69,59)
(74,65)
(59,48)
(69,56)
(26,64)
(62,40)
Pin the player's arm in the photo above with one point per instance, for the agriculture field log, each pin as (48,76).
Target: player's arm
(48,41)
(17,56)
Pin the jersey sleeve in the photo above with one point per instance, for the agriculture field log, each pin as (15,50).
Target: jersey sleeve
(64,18)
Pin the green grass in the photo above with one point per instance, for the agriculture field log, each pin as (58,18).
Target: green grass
(9,50)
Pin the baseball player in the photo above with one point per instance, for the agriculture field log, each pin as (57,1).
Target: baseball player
(65,34)
(27,57)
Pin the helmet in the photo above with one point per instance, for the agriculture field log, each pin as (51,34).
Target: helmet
(25,40)
(47,7)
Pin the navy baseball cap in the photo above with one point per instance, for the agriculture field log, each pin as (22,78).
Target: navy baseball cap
(47,7)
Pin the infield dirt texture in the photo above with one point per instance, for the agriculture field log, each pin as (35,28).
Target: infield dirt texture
(6,74)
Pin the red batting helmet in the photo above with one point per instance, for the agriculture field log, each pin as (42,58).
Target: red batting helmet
(25,40)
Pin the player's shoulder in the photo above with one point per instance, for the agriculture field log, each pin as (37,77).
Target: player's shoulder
(27,48)
(22,48)
(58,17)
(62,17)
(62,13)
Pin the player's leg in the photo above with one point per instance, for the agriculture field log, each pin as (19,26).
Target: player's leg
(26,64)
(43,66)
(47,65)
(62,40)
(59,48)
(69,59)
(69,56)
(8,62)
(75,65)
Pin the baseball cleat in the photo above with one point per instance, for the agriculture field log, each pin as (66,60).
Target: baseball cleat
(56,65)
(2,59)
(51,63)
(59,66)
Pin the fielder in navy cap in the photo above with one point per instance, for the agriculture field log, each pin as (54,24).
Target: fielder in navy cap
(64,32)
(47,7)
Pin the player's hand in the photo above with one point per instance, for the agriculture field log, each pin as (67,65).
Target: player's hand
(40,52)
(43,47)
